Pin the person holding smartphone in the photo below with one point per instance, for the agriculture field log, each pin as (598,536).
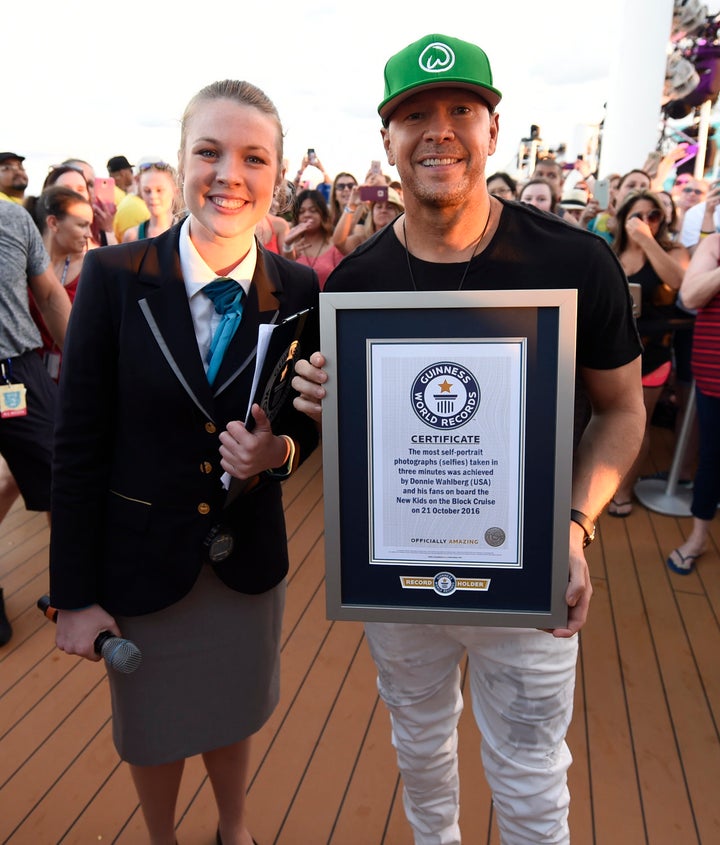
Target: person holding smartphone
(147,543)
(363,217)
(651,259)
(72,175)
(310,159)
(309,240)
(340,194)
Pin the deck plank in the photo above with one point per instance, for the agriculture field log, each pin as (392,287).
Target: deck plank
(644,734)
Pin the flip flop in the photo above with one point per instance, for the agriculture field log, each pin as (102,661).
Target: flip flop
(621,509)
(680,563)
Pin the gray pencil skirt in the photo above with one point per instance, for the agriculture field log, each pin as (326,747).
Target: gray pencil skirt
(209,677)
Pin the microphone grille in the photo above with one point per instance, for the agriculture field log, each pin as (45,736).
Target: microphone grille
(121,655)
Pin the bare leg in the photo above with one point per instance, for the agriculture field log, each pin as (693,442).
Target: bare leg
(8,489)
(157,788)
(682,560)
(621,503)
(227,769)
(697,538)
(8,493)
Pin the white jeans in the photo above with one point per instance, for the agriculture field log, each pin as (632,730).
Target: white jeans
(522,683)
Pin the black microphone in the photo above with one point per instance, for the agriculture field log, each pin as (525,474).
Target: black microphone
(119,654)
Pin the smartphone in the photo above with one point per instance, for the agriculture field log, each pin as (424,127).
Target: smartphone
(601,192)
(690,152)
(636,295)
(373,193)
(312,158)
(375,166)
(105,190)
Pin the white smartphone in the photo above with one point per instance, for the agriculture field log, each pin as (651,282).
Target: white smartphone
(636,295)
(601,192)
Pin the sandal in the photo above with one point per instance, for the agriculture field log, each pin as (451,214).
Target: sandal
(619,509)
(680,563)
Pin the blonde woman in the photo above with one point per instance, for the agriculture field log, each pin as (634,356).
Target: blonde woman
(148,423)
(158,188)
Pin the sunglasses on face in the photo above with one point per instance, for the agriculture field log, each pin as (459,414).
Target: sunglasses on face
(654,216)
(698,191)
(343,186)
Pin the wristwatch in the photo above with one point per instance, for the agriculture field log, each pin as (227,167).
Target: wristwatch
(587,525)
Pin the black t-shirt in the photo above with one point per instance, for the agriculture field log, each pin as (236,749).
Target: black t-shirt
(530,250)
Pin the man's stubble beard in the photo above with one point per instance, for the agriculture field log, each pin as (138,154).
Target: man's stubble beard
(441,196)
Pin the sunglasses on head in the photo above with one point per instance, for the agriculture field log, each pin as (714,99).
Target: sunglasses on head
(653,216)
(341,186)
(154,165)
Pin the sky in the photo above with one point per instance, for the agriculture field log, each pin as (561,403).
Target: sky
(96,80)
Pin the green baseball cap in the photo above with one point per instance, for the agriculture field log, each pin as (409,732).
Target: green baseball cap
(437,60)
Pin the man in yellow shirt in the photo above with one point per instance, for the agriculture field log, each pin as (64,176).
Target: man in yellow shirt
(120,169)
(13,178)
(131,210)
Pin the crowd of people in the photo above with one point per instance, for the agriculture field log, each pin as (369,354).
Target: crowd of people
(163,289)
(655,218)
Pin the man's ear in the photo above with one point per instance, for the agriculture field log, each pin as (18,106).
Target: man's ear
(385,133)
(494,131)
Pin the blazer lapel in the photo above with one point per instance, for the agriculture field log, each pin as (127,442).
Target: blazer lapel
(164,304)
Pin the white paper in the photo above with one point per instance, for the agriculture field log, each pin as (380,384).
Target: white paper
(446,443)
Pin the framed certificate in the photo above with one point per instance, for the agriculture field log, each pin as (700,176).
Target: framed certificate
(447,453)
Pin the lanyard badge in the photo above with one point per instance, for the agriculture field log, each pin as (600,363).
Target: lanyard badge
(12,395)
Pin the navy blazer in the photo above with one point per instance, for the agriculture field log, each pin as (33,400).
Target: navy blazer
(136,469)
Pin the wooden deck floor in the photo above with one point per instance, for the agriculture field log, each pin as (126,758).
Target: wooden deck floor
(644,735)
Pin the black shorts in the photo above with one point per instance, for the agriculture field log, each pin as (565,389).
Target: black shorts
(26,442)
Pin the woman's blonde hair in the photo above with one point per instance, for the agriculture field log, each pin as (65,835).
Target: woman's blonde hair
(244,94)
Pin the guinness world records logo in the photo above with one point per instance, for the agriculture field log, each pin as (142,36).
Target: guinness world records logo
(445,395)
(444,583)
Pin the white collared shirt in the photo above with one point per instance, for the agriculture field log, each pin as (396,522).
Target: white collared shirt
(196,274)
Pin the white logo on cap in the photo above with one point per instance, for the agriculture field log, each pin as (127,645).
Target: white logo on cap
(436,58)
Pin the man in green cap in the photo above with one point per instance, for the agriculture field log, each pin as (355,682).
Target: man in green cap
(439,127)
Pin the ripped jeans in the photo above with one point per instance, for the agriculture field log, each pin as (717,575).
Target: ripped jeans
(522,683)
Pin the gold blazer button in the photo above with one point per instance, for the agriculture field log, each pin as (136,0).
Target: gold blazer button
(203,508)
(210,428)
(206,467)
